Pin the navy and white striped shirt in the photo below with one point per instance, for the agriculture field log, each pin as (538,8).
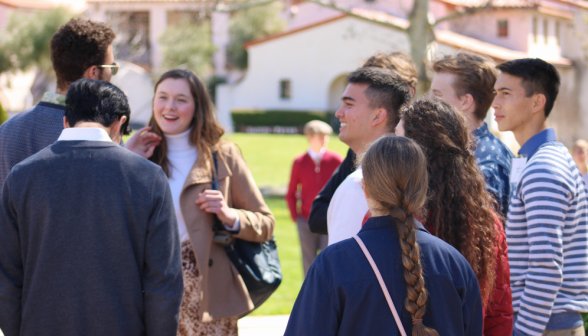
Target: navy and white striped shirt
(547,234)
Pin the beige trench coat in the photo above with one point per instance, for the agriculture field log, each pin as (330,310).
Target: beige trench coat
(223,291)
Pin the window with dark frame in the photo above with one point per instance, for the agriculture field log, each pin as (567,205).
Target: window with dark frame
(502,28)
(285,89)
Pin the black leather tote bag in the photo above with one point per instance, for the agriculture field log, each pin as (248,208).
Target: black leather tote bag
(258,263)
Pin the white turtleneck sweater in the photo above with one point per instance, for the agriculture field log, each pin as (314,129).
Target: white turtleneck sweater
(182,155)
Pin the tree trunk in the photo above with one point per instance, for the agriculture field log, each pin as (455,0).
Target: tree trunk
(420,34)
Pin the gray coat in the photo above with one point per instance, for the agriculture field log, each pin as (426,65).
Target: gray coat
(89,244)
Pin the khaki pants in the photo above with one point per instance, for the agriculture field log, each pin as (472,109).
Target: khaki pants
(579,331)
(310,243)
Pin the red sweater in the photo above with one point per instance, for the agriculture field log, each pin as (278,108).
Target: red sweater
(304,174)
(498,315)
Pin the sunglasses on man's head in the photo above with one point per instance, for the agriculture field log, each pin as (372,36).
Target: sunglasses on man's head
(113,67)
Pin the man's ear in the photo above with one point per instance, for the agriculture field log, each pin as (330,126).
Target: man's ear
(539,102)
(116,126)
(380,116)
(467,101)
(65,123)
(92,72)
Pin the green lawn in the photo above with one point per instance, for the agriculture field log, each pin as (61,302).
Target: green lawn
(270,156)
(286,234)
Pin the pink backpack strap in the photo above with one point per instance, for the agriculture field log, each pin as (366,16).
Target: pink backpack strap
(382,284)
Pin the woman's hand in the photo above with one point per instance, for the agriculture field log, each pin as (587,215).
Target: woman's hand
(143,142)
(213,201)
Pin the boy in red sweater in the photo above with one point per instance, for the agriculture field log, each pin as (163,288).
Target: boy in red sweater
(311,171)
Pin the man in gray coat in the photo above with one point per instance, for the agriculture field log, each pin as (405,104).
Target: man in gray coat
(89,243)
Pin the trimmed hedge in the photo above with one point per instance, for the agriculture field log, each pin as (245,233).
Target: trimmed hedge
(281,118)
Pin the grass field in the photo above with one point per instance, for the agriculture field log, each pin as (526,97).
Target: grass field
(286,234)
(270,157)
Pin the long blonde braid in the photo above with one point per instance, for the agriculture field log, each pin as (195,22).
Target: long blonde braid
(395,176)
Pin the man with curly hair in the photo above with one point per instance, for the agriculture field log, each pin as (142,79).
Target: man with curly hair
(79,49)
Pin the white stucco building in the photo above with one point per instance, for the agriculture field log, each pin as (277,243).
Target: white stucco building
(322,46)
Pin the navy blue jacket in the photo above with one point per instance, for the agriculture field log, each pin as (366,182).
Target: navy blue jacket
(341,295)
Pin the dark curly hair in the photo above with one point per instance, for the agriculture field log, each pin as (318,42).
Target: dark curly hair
(460,210)
(76,46)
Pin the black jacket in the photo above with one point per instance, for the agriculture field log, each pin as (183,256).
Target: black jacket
(317,220)
(89,244)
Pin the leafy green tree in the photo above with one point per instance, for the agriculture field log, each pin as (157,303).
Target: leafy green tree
(24,43)
(249,24)
(188,45)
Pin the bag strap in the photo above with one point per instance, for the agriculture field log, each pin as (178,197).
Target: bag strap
(217,226)
(382,284)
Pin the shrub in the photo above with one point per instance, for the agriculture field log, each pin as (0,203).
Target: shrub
(280,118)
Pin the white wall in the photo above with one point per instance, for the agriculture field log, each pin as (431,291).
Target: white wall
(311,59)
(484,26)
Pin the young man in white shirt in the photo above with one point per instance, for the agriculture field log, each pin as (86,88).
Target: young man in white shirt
(370,108)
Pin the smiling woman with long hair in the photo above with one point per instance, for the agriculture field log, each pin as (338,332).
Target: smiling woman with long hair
(460,209)
(183,116)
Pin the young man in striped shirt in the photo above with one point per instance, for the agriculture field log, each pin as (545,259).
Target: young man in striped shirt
(547,226)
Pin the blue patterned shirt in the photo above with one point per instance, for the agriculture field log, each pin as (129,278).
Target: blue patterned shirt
(494,160)
(29,132)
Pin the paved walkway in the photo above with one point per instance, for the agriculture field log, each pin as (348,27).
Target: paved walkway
(263,325)
(259,325)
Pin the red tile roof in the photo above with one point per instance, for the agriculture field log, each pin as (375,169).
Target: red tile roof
(442,36)
(147,1)
(515,3)
(491,50)
(27,4)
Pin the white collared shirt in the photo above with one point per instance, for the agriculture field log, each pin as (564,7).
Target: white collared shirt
(347,209)
(84,134)
(317,157)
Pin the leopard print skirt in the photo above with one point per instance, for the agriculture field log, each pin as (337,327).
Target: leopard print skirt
(189,323)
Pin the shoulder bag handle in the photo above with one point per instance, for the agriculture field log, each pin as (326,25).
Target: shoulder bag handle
(382,284)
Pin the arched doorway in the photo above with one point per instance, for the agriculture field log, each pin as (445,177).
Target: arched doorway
(336,90)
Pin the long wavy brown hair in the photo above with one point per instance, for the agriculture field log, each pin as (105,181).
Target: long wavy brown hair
(206,131)
(395,176)
(459,209)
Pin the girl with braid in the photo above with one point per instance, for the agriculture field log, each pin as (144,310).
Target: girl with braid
(433,288)
(459,209)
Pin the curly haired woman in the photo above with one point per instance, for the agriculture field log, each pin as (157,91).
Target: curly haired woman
(459,209)
(431,285)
